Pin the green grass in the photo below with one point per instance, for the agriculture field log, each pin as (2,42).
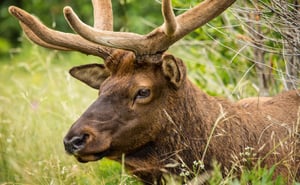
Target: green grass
(39,102)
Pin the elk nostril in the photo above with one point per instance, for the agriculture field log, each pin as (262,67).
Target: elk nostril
(75,143)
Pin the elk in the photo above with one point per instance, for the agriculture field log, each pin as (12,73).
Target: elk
(150,112)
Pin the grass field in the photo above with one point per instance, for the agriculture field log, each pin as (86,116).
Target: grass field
(39,102)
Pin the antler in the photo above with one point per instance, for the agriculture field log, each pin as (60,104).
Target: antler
(173,29)
(94,39)
(49,38)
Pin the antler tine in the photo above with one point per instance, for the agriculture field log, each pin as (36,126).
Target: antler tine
(157,41)
(30,34)
(170,23)
(200,15)
(107,38)
(46,37)
(103,16)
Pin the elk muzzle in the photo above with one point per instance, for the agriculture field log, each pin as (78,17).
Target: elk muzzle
(90,138)
(87,146)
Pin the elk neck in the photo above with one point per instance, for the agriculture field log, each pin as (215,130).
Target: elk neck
(186,124)
(191,116)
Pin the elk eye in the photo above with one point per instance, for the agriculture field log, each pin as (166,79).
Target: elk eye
(142,93)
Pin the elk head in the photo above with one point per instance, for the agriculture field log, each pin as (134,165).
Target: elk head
(136,81)
(132,93)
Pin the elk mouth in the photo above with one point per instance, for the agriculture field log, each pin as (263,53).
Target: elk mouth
(92,157)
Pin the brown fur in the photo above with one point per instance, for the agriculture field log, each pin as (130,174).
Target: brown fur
(179,124)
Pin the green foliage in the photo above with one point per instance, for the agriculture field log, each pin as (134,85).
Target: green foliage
(255,176)
(261,176)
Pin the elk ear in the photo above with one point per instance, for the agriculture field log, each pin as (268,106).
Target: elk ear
(174,70)
(91,74)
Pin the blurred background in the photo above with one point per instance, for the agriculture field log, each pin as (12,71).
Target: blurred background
(252,49)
